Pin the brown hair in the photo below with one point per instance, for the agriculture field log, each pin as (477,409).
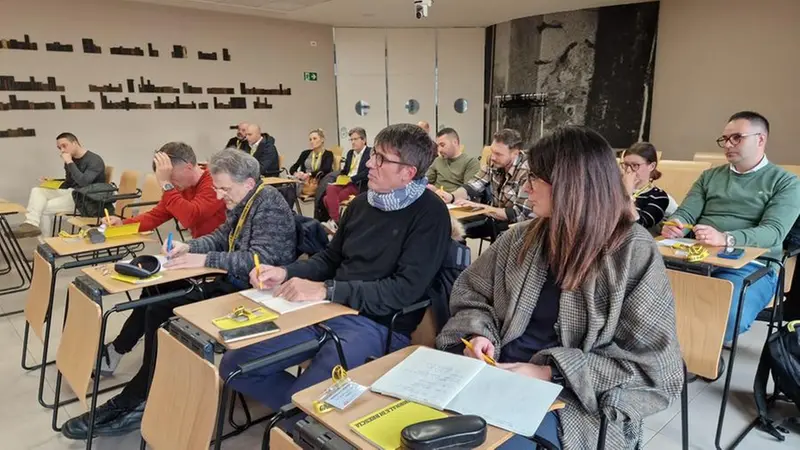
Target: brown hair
(648,152)
(590,212)
(509,137)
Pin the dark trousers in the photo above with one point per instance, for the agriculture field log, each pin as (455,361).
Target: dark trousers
(153,317)
(133,328)
(485,229)
(273,386)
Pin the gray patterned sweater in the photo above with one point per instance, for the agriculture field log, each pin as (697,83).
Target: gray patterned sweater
(619,348)
(268,230)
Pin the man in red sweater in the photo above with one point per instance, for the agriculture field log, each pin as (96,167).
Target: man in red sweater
(188,196)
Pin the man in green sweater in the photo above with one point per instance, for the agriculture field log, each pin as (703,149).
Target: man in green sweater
(748,203)
(452,168)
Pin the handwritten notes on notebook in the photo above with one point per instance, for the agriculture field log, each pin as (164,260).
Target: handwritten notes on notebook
(671,242)
(277,304)
(452,382)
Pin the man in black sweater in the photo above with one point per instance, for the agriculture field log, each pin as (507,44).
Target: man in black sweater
(262,147)
(390,245)
(82,168)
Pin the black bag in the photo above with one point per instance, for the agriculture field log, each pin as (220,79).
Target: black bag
(457,260)
(794,234)
(311,236)
(781,357)
(94,199)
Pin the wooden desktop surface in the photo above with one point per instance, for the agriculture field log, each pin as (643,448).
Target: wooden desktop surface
(277,180)
(102,275)
(74,246)
(202,313)
(7,208)
(465,212)
(750,254)
(369,402)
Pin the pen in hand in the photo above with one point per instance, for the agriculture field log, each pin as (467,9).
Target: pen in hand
(489,360)
(258,270)
(169,244)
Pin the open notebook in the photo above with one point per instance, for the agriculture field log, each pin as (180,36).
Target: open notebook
(446,381)
(277,304)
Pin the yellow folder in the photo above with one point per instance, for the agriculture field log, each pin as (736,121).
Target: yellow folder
(342,180)
(382,428)
(252,317)
(134,280)
(122,230)
(51,184)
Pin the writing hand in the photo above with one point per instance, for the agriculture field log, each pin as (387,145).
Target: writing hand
(673,231)
(267,277)
(187,261)
(178,249)
(481,346)
(300,290)
(112,221)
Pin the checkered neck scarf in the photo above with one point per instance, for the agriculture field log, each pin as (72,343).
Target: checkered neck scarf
(398,198)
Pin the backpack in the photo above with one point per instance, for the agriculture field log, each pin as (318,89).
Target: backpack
(781,357)
(93,200)
(458,258)
(793,237)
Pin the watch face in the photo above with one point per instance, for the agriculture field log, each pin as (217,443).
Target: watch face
(168,186)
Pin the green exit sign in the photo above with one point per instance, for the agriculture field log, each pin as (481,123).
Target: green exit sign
(310,76)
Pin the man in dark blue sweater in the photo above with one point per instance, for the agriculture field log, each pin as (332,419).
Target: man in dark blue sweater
(389,246)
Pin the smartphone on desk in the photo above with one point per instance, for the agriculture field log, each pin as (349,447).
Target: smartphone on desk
(257,329)
(731,253)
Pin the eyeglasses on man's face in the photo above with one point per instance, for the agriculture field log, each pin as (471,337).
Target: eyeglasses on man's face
(380,159)
(734,139)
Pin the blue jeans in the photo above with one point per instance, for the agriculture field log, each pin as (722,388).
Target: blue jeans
(547,430)
(758,296)
(361,338)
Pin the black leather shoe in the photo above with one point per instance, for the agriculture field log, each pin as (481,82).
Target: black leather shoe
(111,419)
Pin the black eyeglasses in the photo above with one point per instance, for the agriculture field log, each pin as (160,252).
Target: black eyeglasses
(734,138)
(380,159)
(632,166)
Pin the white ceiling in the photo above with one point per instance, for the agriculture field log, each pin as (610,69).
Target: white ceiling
(392,13)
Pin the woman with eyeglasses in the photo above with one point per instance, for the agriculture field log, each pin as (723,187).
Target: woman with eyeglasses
(578,296)
(649,204)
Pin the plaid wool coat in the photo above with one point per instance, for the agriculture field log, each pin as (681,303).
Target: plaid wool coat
(619,348)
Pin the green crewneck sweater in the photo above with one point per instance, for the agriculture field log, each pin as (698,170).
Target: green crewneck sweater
(757,208)
(451,174)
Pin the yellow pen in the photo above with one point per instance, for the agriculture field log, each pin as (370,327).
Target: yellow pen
(489,360)
(674,224)
(108,219)
(258,269)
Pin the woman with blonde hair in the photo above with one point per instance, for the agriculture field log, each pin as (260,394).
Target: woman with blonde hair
(316,162)
(578,296)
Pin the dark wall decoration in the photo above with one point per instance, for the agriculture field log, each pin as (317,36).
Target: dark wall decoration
(76,105)
(58,47)
(89,47)
(152,52)
(235,103)
(19,132)
(243,90)
(127,51)
(179,52)
(258,104)
(126,104)
(105,88)
(9,83)
(189,89)
(13,44)
(595,65)
(219,90)
(150,88)
(13,103)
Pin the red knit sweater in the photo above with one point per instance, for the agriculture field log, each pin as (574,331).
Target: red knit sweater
(196,208)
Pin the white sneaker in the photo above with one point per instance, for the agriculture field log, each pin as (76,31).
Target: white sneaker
(330,226)
(110,360)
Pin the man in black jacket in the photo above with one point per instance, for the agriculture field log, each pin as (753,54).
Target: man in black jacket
(82,168)
(239,142)
(355,167)
(262,148)
(390,246)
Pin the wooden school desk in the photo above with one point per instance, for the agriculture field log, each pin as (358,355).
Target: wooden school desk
(465,212)
(369,402)
(750,255)
(202,313)
(12,252)
(39,303)
(90,288)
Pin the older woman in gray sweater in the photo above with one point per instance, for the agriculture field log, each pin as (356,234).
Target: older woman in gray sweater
(579,296)
(259,221)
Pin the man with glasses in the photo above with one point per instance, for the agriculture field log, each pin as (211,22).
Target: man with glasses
(259,222)
(390,245)
(188,196)
(355,168)
(747,203)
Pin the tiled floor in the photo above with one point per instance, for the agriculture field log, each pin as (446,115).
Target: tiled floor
(26,425)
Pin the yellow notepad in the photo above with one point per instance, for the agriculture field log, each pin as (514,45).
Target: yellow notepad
(134,280)
(342,180)
(51,184)
(122,230)
(382,428)
(256,315)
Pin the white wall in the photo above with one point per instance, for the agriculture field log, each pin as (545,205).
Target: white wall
(403,63)
(264,53)
(717,57)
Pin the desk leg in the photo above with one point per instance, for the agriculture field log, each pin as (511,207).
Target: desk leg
(9,245)
(728,376)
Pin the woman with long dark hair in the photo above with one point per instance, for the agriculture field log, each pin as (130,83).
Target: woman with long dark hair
(578,296)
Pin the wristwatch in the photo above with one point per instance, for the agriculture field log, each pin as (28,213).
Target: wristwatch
(330,287)
(730,241)
(167,187)
(555,374)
